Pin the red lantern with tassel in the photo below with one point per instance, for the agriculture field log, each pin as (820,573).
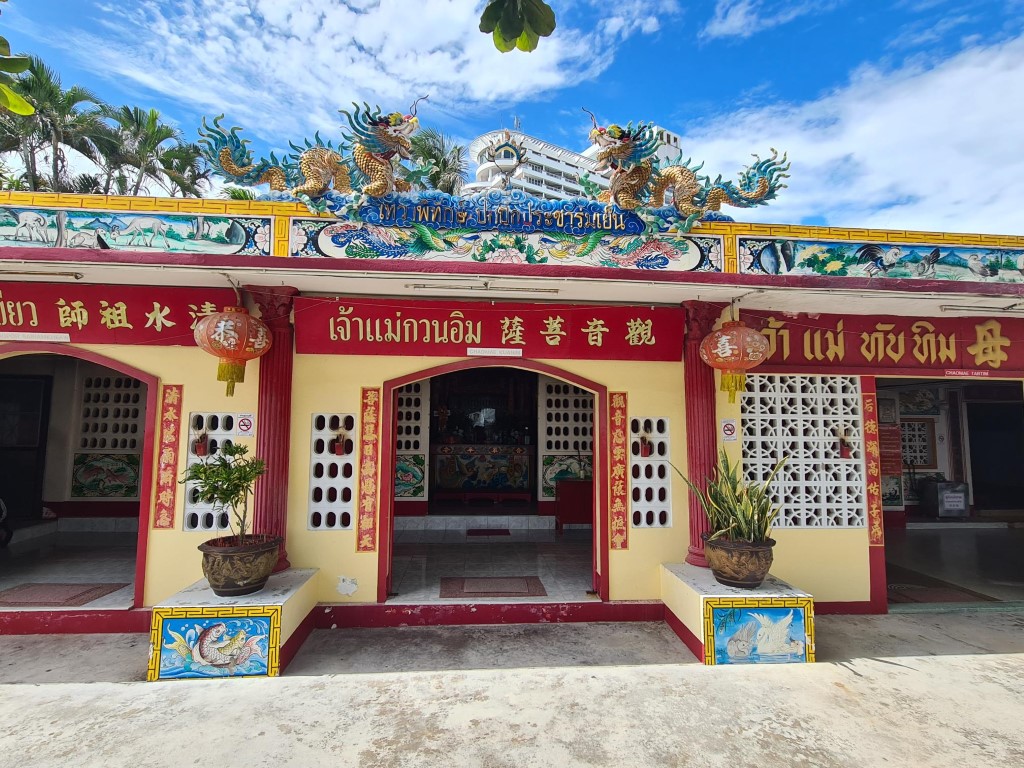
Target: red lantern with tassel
(734,349)
(235,337)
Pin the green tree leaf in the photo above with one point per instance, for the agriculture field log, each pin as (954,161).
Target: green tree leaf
(490,16)
(539,16)
(528,40)
(13,63)
(511,23)
(13,102)
(502,44)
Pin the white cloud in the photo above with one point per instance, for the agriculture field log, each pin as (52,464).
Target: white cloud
(744,18)
(932,148)
(282,69)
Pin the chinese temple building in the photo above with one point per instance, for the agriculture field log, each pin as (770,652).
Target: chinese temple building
(473,409)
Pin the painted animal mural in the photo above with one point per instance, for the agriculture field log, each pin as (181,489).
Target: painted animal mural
(215,649)
(137,228)
(637,179)
(31,225)
(376,140)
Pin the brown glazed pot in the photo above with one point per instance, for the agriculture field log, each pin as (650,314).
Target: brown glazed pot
(234,570)
(738,563)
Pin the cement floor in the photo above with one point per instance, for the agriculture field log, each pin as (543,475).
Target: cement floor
(899,690)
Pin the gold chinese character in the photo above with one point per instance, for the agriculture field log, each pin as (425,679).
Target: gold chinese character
(639,332)
(512,330)
(158,317)
(870,428)
(371,399)
(166,496)
(199,312)
(595,330)
(618,472)
(170,396)
(114,315)
(553,332)
(988,349)
(74,313)
(618,400)
(872,448)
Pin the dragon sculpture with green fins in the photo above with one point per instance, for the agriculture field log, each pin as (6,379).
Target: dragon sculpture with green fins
(375,139)
(638,180)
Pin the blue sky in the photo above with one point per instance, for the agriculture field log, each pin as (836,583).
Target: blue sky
(904,114)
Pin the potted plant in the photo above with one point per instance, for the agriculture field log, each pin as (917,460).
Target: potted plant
(738,544)
(239,564)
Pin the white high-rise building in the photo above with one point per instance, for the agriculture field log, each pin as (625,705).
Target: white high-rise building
(549,171)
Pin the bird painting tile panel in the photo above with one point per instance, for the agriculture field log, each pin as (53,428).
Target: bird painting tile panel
(96,229)
(758,630)
(879,260)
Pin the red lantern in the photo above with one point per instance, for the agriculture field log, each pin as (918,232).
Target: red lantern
(235,337)
(734,349)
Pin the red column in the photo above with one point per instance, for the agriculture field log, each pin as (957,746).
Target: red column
(701,441)
(274,414)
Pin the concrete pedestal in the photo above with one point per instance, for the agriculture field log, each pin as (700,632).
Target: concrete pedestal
(196,634)
(726,625)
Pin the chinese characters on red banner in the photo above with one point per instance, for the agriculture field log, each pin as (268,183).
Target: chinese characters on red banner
(382,327)
(167,455)
(619,468)
(873,469)
(366,535)
(108,314)
(959,346)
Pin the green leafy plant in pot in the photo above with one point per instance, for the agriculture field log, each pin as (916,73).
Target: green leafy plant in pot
(738,544)
(239,564)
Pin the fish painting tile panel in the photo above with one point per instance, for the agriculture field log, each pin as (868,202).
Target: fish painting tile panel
(880,260)
(125,231)
(204,643)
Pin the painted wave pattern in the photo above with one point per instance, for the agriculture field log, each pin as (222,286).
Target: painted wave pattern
(357,240)
(157,232)
(181,637)
(880,260)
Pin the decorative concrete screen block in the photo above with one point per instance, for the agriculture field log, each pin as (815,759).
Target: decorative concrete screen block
(332,472)
(650,473)
(815,422)
(113,412)
(413,427)
(565,444)
(208,433)
(918,439)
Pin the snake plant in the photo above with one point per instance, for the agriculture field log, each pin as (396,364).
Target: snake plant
(736,509)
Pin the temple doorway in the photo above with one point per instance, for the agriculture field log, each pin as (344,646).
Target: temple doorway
(952,489)
(71,451)
(493,494)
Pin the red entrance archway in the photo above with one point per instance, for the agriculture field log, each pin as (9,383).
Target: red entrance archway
(387,454)
(146,480)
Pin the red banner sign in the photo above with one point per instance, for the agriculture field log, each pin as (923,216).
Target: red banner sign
(891,447)
(961,346)
(486,329)
(106,314)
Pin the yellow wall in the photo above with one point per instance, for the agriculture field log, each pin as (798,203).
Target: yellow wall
(172,561)
(331,384)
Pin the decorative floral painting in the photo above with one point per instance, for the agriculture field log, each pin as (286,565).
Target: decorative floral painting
(105,475)
(410,473)
(564,467)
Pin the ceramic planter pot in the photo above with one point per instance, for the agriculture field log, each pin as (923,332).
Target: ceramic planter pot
(738,563)
(234,570)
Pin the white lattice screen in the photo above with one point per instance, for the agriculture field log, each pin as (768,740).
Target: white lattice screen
(917,437)
(651,487)
(803,418)
(112,414)
(332,472)
(207,434)
(565,443)
(413,427)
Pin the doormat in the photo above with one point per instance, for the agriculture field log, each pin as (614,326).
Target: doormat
(54,595)
(907,586)
(488,532)
(494,586)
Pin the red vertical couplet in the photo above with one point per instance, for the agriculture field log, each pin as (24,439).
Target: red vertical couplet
(369,463)
(167,457)
(273,415)
(618,418)
(873,487)
(699,394)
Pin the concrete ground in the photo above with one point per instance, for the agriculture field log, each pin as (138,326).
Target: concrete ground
(902,690)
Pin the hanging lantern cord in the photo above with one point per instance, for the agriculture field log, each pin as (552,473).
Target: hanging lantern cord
(236,287)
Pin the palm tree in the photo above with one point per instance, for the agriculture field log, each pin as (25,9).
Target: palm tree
(449,159)
(63,119)
(143,142)
(186,170)
(238,193)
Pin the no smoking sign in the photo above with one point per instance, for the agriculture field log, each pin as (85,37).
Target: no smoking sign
(729,430)
(246,423)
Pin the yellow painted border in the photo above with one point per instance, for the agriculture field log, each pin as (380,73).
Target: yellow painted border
(806,604)
(215,612)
